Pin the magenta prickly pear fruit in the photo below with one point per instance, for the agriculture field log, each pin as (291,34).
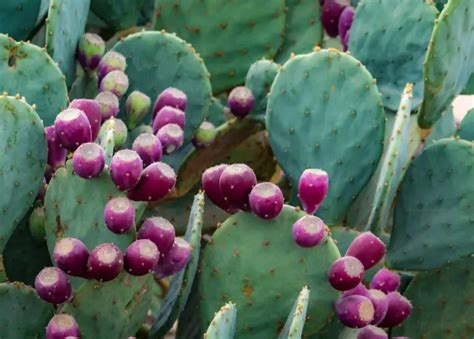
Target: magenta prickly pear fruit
(119,215)
(160,231)
(175,260)
(111,61)
(91,109)
(105,262)
(70,255)
(168,115)
(115,82)
(118,127)
(210,184)
(360,289)
(385,280)
(266,200)
(137,106)
(312,189)
(399,308)
(354,311)
(126,168)
(73,128)
(109,104)
(240,101)
(309,231)
(148,147)
(205,135)
(56,153)
(367,248)
(171,137)
(88,160)
(90,49)
(140,257)
(52,285)
(236,182)
(62,326)
(172,97)
(380,302)
(156,181)
(330,14)
(346,273)
(345,23)
(372,332)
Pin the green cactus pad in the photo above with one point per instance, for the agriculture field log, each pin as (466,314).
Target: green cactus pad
(303,28)
(84,87)
(216,113)
(294,324)
(181,283)
(255,263)
(64,27)
(442,303)
(113,309)
(23,313)
(19,17)
(313,106)
(223,324)
(445,127)
(244,31)
(448,61)
(22,163)
(469,89)
(259,79)
(432,219)
(68,196)
(466,130)
(29,71)
(390,38)
(189,322)
(118,14)
(158,60)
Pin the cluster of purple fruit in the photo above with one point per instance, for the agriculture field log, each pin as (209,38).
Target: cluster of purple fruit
(337,17)
(381,306)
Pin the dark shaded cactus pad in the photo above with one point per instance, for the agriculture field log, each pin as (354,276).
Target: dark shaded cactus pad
(19,17)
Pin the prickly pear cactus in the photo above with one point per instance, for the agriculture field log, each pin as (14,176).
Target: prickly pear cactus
(118,14)
(294,325)
(19,17)
(466,130)
(223,324)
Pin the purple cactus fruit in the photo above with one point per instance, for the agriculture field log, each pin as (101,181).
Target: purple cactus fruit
(91,109)
(119,215)
(205,135)
(90,49)
(115,82)
(210,184)
(111,61)
(380,302)
(175,260)
(109,104)
(372,332)
(266,200)
(312,189)
(354,311)
(56,153)
(105,262)
(236,182)
(157,180)
(360,289)
(345,22)
(240,101)
(126,168)
(62,326)
(385,280)
(172,97)
(399,308)
(88,160)
(70,255)
(160,231)
(346,273)
(345,41)
(140,257)
(367,248)
(148,147)
(309,231)
(171,137)
(168,115)
(73,128)
(330,14)
(137,106)
(52,285)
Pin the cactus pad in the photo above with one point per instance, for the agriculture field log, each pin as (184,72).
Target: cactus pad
(244,31)
(390,38)
(223,324)
(466,130)
(313,105)
(29,71)
(254,263)
(118,14)
(19,17)
(157,60)
(216,113)
(294,325)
